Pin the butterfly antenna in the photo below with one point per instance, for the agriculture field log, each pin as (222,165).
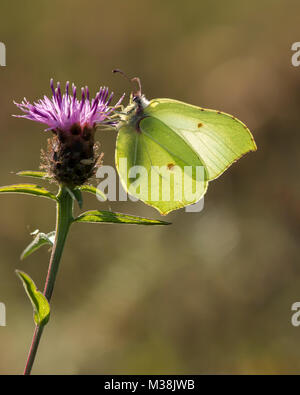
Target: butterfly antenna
(137,93)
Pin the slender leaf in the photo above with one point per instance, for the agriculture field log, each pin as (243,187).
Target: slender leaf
(40,240)
(39,302)
(32,173)
(28,189)
(109,217)
(93,190)
(76,195)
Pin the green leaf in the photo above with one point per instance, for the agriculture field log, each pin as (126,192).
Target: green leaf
(38,300)
(40,240)
(28,189)
(93,190)
(78,196)
(109,217)
(32,173)
(75,195)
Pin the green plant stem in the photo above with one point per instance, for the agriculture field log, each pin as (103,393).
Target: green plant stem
(64,218)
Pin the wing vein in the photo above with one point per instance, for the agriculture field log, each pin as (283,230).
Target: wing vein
(135,150)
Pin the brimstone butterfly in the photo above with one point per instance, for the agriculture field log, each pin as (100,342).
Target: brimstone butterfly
(167,151)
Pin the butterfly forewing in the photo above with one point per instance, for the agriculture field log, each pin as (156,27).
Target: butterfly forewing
(219,139)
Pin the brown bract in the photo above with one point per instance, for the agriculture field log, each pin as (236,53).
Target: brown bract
(72,157)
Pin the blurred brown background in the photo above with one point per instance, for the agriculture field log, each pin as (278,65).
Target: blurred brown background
(211,293)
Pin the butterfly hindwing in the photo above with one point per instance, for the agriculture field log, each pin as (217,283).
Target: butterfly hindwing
(166,172)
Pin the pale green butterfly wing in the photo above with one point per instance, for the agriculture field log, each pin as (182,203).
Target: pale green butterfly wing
(170,174)
(218,138)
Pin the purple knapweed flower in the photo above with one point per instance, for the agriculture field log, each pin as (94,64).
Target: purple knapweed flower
(72,156)
(63,111)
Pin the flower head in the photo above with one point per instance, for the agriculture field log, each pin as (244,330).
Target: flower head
(63,111)
(72,156)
